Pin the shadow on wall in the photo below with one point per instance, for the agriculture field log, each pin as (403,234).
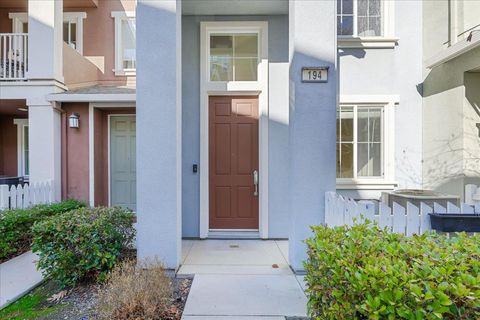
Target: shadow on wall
(454,156)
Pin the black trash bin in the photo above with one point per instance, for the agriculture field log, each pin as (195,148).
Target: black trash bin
(455,222)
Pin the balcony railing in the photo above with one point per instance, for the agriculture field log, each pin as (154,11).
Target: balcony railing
(13,56)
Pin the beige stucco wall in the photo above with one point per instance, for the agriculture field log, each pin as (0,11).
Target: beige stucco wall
(77,70)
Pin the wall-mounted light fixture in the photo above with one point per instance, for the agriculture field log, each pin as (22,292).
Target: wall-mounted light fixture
(74,120)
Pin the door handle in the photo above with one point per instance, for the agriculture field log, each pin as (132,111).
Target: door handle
(255,183)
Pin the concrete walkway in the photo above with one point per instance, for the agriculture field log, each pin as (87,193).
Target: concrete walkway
(18,276)
(241,279)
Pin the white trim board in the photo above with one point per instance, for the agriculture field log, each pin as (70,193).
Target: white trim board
(96,97)
(91,154)
(258,88)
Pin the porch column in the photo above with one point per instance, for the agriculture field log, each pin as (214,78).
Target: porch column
(44,121)
(312,28)
(45,40)
(159,142)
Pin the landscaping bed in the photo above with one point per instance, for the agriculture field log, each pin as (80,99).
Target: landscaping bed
(50,302)
(88,258)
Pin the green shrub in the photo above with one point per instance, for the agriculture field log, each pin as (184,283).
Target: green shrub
(15,225)
(82,244)
(363,272)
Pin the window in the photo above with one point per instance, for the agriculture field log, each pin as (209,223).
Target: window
(26,152)
(233,57)
(125,43)
(72,27)
(23,149)
(70,33)
(128,43)
(362,18)
(360,141)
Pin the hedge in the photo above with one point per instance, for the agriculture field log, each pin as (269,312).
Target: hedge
(363,272)
(82,244)
(16,225)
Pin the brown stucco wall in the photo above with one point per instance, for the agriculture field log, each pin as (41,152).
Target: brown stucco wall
(101,151)
(5,22)
(8,146)
(75,154)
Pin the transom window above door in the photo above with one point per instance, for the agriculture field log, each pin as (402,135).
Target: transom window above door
(233,56)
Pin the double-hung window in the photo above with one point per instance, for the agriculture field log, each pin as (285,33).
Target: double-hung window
(125,43)
(360,142)
(368,20)
(362,18)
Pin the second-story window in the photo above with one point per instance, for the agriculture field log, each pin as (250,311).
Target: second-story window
(128,43)
(70,33)
(125,43)
(360,18)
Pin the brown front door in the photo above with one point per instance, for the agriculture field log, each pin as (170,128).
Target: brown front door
(233,157)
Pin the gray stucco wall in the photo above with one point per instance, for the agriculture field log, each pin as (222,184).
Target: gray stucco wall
(278,121)
(395,71)
(451,103)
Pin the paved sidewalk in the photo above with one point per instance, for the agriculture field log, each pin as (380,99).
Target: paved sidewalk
(18,276)
(241,279)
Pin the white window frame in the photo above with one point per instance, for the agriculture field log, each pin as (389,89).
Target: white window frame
(118,17)
(21,124)
(388,103)
(77,18)
(18,18)
(387,40)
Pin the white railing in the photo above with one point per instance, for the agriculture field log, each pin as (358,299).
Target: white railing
(13,56)
(15,197)
(407,220)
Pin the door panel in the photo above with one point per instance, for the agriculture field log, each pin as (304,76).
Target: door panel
(233,157)
(123,162)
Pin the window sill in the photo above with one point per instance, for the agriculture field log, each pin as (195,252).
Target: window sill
(366,42)
(126,72)
(366,184)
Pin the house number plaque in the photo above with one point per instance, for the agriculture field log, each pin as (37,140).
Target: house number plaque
(315,74)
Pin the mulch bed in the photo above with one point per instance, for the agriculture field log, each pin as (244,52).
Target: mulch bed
(79,303)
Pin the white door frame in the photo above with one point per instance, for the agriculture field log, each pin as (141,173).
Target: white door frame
(91,142)
(110,116)
(247,88)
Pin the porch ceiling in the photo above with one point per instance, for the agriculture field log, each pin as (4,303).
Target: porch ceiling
(22,4)
(10,108)
(234,7)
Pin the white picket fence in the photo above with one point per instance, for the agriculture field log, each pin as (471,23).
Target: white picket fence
(25,196)
(411,220)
